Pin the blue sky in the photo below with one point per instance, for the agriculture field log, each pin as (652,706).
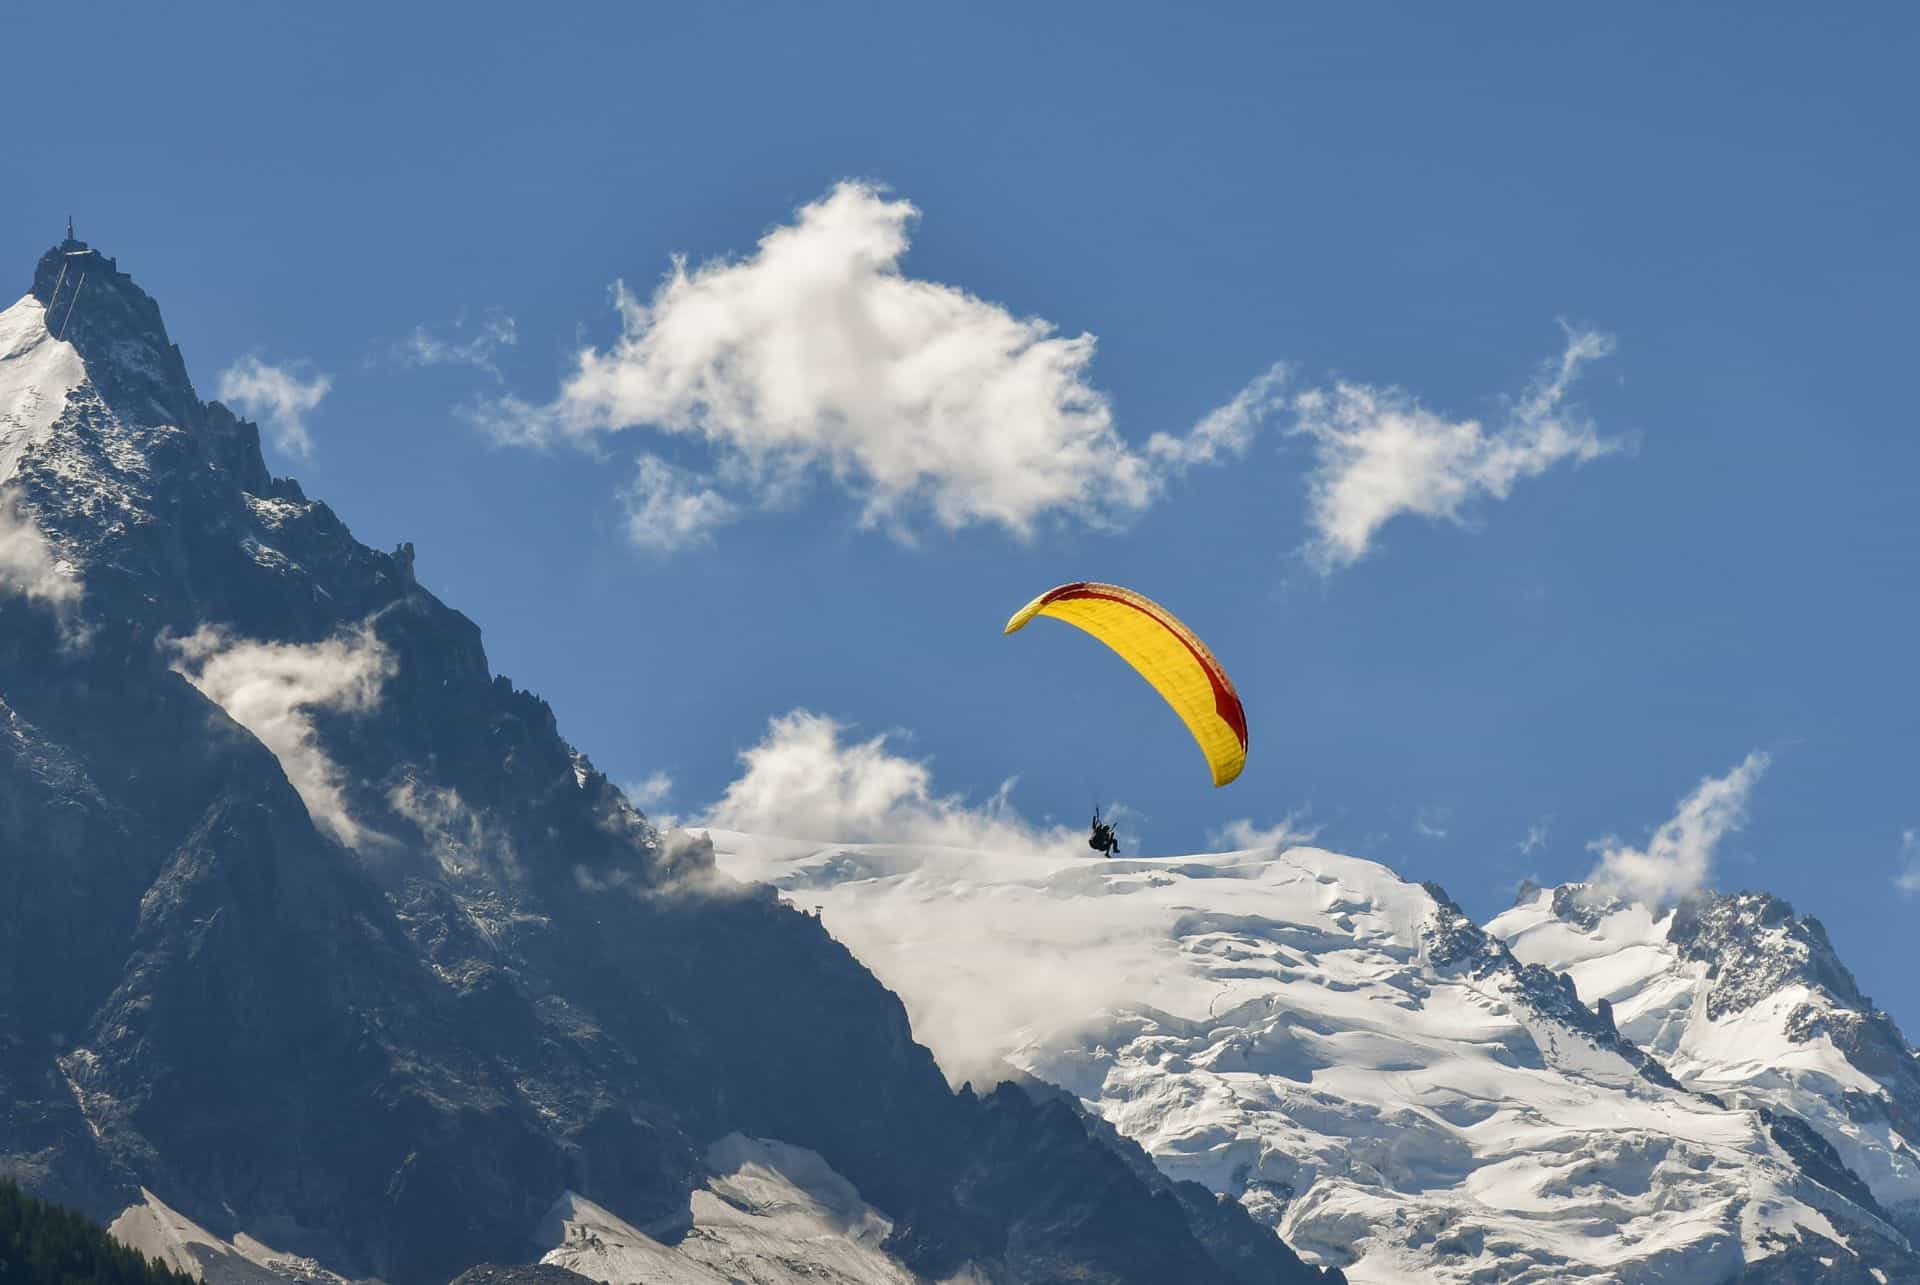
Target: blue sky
(1420,203)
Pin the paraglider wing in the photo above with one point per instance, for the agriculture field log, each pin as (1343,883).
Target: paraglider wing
(1165,653)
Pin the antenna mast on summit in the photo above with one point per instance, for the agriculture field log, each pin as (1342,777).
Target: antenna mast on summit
(69,227)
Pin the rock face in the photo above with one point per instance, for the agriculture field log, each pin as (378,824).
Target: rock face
(1742,998)
(518,1274)
(318,931)
(1388,1085)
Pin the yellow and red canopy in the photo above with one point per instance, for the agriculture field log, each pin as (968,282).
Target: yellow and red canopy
(1165,653)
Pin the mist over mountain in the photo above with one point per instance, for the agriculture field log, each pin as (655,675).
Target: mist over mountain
(323,954)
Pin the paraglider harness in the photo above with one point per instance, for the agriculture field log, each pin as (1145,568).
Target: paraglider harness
(1103,840)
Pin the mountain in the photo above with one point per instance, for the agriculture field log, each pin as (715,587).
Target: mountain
(1742,998)
(1382,1082)
(323,954)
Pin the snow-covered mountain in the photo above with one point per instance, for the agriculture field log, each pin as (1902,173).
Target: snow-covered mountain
(316,935)
(1378,1079)
(1742,998)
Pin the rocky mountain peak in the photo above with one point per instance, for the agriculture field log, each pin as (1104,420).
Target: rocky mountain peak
(117,329)
(1753,944)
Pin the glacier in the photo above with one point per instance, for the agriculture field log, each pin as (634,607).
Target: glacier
(1377,1079)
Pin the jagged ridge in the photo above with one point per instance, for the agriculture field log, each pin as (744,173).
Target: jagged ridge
(1749,1002)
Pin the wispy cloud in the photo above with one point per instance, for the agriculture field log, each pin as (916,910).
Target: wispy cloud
(1226,430)
(670,508)
(274,689)
(651,796)
(1289,831)
(1678,859)
(1536,839)
(1908,880)
(1379,453)
(475,348)
(1430,822)
(462,840)
(803,781)
(278,395)
(651,792)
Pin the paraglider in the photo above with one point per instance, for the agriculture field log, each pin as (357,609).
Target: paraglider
(1103,840)
(1165,653)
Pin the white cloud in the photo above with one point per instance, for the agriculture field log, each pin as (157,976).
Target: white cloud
(495,331)
(816,354)
(1290,831)
(801,781)
(1908,880)
(651,792)
(29,567)
(1379,453)
(669,508)
(1679,858)
(1536,839)
(817,357)
(273,690)
(277,395)
(1225,430)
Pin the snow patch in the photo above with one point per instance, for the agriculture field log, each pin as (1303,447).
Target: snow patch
(37,372)
(275,513)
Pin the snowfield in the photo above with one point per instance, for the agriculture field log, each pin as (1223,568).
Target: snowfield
(1308,1032)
